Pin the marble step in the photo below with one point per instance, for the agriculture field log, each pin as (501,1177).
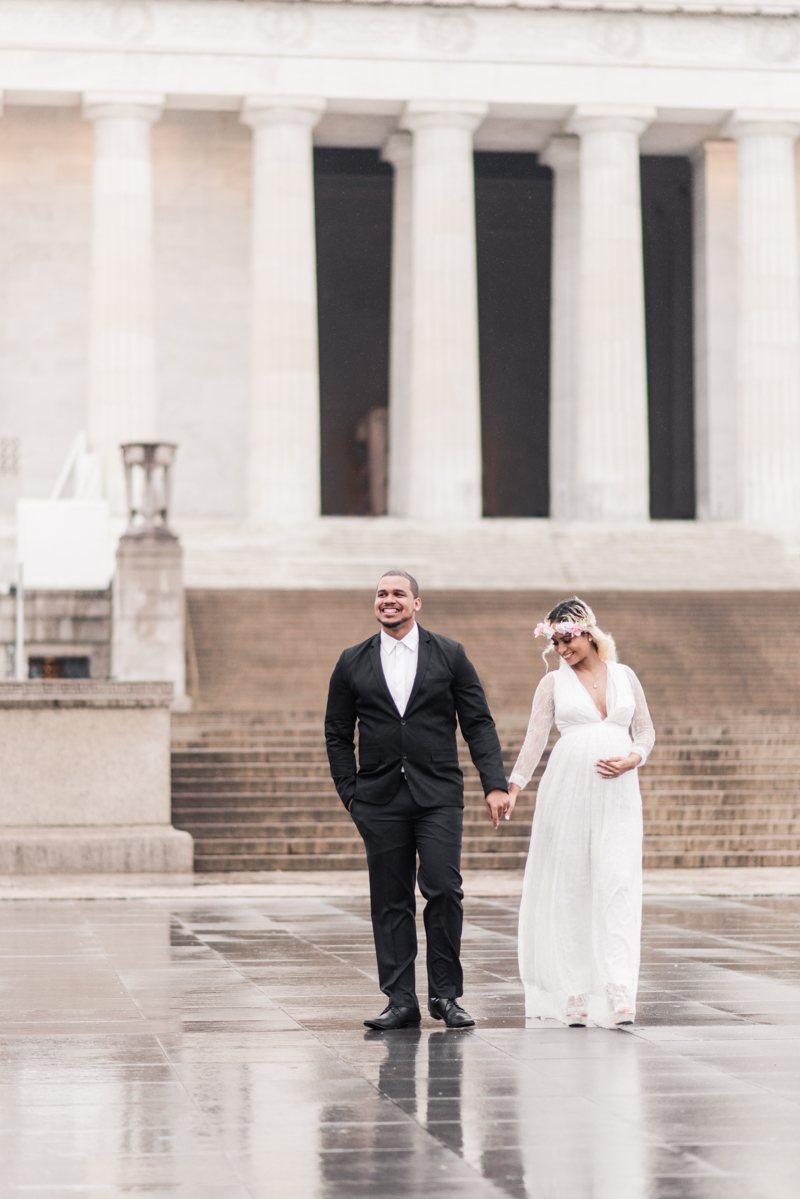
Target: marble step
(731,813)
(700,860)
(294,763)
(655,830)
(255,846)
(727,844)
(759,783)
(334,816)
(257,794)
(205,863)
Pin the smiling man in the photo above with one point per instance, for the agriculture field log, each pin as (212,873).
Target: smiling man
(406,688)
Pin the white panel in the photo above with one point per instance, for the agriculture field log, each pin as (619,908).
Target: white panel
(65,544)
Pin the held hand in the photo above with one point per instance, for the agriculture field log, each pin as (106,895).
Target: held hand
(612,768)
(498,804)
(511,799)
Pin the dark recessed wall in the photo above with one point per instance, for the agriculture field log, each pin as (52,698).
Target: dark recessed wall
(353,196)
(667,236)
(514,197)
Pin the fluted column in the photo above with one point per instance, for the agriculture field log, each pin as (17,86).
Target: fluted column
(714,200)
(563,155)
(768,325)
(122,376)
(399,152)
(444,390)
(611,426)
(284,440)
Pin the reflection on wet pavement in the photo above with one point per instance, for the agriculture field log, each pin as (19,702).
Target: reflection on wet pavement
(213,1049)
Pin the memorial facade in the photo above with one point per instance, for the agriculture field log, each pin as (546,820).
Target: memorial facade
(513,267)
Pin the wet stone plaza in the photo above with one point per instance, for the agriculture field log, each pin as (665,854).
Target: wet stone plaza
(213,1049)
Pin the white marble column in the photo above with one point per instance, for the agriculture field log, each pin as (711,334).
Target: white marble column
(563,155)
(445,470)
(714,195)
(768,327)
(399,152)
(611,424)
(122,375)
(284,441)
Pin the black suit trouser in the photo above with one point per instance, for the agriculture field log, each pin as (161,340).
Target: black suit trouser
(394,834)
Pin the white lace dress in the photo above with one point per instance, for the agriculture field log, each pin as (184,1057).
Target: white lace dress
(581,911)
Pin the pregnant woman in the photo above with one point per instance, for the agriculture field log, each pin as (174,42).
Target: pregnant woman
(581,911)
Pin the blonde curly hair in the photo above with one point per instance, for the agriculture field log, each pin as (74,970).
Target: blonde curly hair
(577,611)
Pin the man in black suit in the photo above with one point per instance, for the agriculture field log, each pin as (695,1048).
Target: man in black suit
(405,687)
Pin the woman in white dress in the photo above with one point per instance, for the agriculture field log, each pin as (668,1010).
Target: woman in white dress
(581,911)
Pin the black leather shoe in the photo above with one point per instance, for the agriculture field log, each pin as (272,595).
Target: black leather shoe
(395,1017)
(451,1012)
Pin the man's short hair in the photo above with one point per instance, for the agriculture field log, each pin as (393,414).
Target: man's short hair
(403,574)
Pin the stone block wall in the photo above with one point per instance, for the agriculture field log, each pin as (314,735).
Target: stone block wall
(61,624)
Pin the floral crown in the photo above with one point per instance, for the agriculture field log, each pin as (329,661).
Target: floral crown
(563,628)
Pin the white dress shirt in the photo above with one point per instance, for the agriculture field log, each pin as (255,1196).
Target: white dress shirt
(399,662)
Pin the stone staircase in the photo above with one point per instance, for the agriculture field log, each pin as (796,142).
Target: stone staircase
(256,794)
(722,787)
(698,654)
(723,795)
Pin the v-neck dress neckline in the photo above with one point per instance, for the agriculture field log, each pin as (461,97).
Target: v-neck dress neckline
(585,691)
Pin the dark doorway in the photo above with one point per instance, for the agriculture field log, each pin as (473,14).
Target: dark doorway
(353,197)
(667,235)
(514,199)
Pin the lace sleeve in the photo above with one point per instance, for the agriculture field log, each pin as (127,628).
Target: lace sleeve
(643,734)
(539,725)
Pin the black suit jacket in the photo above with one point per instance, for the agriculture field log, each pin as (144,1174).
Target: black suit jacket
(423,740)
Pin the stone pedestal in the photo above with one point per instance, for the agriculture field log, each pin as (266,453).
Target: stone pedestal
(148,639)
(85,769)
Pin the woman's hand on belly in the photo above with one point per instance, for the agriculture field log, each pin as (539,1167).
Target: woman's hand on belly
(612,768)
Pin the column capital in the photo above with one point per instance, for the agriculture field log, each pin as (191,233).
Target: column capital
(282,110)
(438,114)
(562,152)
(144,106)
(615,118)
(398,149)
(755,122)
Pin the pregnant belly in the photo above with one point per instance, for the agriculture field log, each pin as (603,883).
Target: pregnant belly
(601,739)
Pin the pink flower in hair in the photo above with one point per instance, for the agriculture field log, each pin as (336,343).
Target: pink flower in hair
(564,628)
(571,628)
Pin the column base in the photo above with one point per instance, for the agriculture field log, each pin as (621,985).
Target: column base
(105,849)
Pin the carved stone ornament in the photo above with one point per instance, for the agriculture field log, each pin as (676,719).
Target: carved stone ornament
(287,25)
(619,36)
(126,21)
(452,31)
(776,40)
